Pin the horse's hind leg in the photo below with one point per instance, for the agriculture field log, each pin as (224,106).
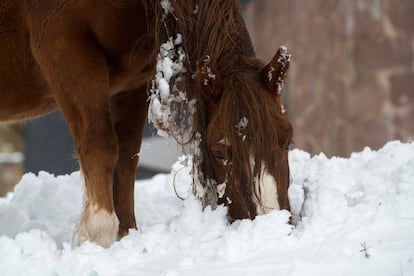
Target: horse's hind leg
(129,113)
(78,74)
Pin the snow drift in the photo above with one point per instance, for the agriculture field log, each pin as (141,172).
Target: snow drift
(353,217)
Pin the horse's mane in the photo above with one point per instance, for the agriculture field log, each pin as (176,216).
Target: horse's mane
(209,28)
(216,28)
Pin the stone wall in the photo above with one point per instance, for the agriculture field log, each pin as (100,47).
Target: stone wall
(351,82)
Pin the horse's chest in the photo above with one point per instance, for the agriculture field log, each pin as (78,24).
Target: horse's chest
(122,34)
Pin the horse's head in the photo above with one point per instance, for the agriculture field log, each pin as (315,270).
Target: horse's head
(247,136)
(242,137)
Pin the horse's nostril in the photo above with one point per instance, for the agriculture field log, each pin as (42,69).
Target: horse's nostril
(287,147)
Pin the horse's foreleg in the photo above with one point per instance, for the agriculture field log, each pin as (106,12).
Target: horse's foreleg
(78,75)
(129,113)
(98,150)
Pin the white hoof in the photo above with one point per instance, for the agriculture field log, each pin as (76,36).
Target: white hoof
(98,226)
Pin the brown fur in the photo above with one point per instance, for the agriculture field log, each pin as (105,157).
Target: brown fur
(93,59)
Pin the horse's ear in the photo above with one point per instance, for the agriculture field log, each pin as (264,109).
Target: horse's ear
(208,78)
(274,74)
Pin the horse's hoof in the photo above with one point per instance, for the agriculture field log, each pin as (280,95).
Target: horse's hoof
(97,226)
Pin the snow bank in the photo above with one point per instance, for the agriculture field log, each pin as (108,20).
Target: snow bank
(353,217)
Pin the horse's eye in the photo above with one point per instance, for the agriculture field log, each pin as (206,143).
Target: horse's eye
(220,155)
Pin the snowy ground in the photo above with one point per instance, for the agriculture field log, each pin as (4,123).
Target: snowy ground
(354,217)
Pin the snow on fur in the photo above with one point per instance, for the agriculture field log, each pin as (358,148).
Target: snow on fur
(166,97)
(169,67)
(353,216)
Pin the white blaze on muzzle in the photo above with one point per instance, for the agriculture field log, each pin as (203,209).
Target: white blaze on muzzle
(266,191)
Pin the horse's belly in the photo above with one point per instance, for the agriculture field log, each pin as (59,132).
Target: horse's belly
(21,104)
(23,91)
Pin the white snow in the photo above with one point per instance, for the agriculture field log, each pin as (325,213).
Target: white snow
(166,6)
(353,216)
(241,127)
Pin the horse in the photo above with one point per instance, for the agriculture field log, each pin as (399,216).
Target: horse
(96,62)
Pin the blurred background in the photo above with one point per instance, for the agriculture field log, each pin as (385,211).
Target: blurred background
(350,85)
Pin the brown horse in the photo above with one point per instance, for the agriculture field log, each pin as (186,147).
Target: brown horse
(93,60)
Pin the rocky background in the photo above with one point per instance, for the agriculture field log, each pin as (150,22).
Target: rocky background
(351,82)
(11,156)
